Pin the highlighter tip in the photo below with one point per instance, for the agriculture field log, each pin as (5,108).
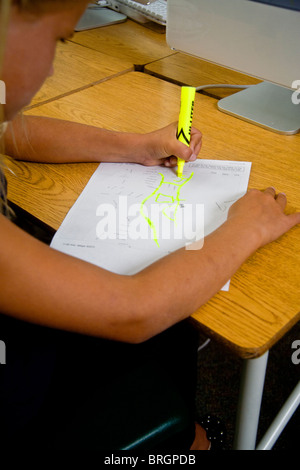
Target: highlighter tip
(180,167)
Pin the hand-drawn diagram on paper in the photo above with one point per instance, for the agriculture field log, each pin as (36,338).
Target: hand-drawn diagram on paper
(164,194)
(129,215)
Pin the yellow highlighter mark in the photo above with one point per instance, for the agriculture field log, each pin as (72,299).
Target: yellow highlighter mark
(161,195)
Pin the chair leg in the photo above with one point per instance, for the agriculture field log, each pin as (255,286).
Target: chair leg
(281,420)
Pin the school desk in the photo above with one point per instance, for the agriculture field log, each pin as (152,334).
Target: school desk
(128,40)
(263,301)
(187,70)
(77,67)
(148,51)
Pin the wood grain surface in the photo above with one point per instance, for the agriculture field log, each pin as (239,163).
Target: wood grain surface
(187,70)
(76,67)
(130,41)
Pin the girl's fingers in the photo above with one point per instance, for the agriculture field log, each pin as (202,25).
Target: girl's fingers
(281,199)
(270,190)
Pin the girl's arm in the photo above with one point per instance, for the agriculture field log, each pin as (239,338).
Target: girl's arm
(43,139)
(44,286)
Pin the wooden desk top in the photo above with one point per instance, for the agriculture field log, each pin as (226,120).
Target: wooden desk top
(77,67)
(186,70)
(263,301)
(145,48)
(129,40)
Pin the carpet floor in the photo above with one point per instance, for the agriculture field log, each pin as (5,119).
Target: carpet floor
(219,380)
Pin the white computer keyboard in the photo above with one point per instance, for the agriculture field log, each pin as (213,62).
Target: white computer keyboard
(155,11)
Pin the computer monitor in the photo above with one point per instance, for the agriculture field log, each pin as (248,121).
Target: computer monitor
(260,38)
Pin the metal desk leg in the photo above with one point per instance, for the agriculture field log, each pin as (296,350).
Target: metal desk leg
(252,385)
(281,420)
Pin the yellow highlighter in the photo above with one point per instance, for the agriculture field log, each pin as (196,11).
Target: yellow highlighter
(185,120)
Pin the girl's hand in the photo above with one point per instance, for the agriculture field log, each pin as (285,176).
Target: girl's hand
(161,147)
(263,212)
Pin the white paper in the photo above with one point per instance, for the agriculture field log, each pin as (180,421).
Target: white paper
(129,215)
